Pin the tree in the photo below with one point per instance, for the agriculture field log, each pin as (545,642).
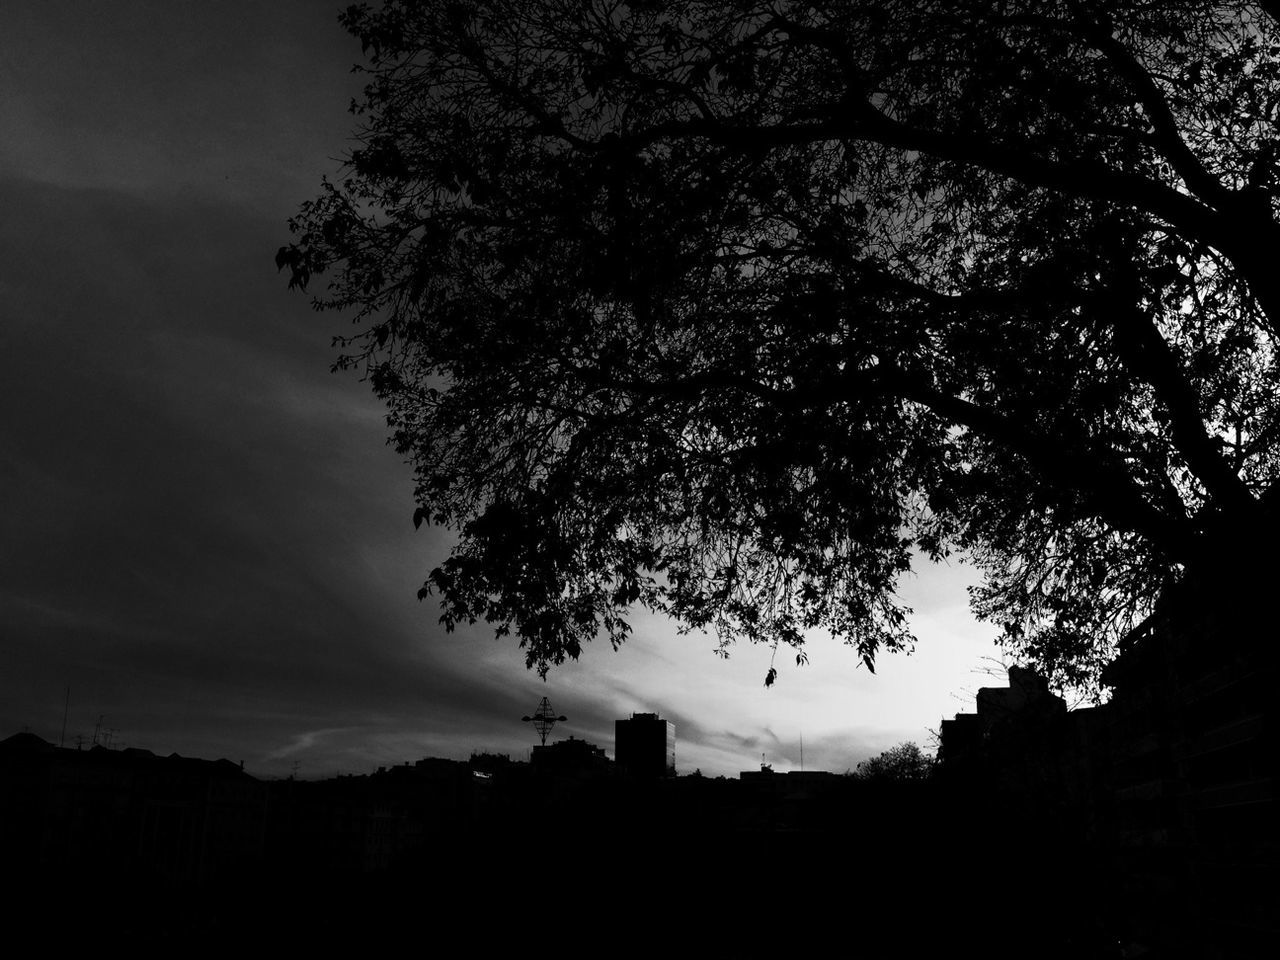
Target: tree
(901,764)
(734,310)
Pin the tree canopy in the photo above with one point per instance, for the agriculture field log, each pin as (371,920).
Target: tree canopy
(735,310)
(904,763)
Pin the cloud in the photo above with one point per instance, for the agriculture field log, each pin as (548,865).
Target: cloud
(193,499)
(235,100)
(305,741)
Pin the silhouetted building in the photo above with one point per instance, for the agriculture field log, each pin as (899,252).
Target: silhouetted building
(1193,766)
(960,737)
(793,784)
(1026,704)
(570,758)
(1172,784)
(645,745)
(492,764)
(132,812)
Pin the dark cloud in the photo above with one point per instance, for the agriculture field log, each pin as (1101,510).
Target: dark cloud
(234,99)
(196,509)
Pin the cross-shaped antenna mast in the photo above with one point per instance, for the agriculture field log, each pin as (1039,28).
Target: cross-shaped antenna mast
(543,719)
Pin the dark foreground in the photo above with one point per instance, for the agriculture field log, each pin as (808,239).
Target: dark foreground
(901,887)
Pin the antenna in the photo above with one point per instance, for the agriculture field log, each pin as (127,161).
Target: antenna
(62,740)
(543,719)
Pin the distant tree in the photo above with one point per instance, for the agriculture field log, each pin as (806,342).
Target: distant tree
(733,310)
(904,763)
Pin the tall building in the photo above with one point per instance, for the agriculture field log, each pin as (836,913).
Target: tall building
(645,745)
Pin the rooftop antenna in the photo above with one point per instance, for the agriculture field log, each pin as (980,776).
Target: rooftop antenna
(543,719)
(62,740)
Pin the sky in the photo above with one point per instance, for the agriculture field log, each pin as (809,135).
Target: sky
(204,535)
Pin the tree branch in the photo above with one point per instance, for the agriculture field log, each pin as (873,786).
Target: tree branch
(1145,352)
(1188,166)
(1102,485)
(1105,487)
